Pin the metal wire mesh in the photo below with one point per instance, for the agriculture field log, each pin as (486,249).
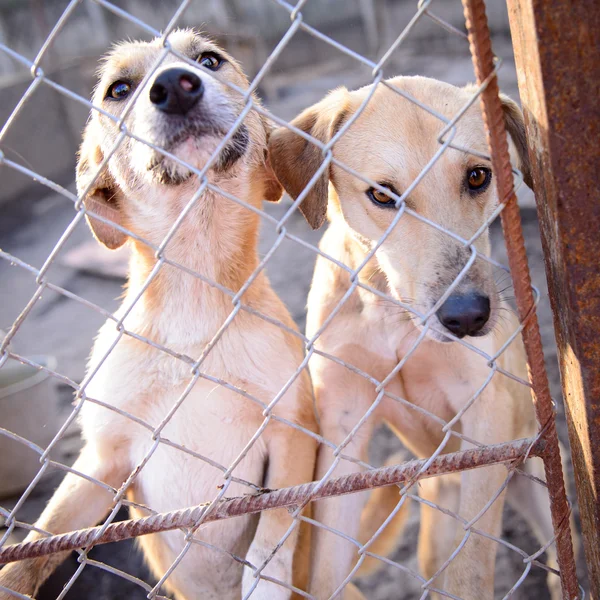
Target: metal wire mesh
(407,476)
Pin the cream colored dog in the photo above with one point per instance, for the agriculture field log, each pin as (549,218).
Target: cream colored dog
(186,111)
(390,143)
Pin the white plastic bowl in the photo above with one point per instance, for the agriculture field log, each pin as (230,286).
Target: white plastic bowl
(28,408)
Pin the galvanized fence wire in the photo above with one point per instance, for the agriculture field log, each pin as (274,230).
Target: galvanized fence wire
(189,525)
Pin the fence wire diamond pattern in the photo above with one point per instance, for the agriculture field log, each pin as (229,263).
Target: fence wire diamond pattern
(406,476)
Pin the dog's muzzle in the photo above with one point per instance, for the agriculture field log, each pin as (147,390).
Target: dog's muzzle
(176,91)
(178,94)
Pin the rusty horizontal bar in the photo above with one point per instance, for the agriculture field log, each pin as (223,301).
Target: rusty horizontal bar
(507,452)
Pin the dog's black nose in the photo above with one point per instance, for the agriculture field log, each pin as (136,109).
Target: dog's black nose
(464,314)
(176,91)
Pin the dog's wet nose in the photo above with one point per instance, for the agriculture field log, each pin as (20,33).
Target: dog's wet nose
(176,91)
(464,314)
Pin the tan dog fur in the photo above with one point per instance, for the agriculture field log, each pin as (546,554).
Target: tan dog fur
(391,142)
(217,239)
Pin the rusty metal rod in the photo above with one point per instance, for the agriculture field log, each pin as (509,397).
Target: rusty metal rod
(557,54)
(483,61)
(285,497)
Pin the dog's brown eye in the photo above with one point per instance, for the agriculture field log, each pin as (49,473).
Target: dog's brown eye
(381,198)
(210,60)
(478,179)
(118,90)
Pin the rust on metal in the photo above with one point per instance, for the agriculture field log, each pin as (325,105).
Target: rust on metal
(483,61)
(557,55)
(509,452)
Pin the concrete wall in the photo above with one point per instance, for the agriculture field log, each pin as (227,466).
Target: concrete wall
(45,134)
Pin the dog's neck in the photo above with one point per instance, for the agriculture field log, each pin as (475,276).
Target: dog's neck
(183,300)
(352,250)
(356,250)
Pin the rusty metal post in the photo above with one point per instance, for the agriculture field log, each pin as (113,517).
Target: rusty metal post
(556,46)
(483,61)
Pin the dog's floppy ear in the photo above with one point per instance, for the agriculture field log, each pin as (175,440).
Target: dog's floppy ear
(295,160)
(273,189)
(104,197)
(515,126)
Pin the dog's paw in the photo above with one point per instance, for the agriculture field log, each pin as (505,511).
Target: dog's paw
(264,590)
(17,577)
(6,595)
(279,568)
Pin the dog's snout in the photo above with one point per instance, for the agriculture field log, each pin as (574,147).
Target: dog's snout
(465,314)
(175,91)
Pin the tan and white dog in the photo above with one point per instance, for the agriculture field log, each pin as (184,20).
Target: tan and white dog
(186,111)
(390,143)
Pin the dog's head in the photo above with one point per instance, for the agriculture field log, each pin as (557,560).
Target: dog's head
(183,109)
(391,142)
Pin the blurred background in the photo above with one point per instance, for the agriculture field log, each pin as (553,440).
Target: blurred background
(44,138)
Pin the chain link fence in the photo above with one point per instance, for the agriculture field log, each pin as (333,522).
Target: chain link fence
(406,476)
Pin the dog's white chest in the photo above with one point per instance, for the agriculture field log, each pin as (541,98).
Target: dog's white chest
(207,434)
(201,433)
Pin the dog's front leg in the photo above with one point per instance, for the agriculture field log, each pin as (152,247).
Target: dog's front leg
(291,461)
(343,400)
(333,556)
(470,575)
(77,503)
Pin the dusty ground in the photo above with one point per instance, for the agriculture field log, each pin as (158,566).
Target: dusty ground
(65,329)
